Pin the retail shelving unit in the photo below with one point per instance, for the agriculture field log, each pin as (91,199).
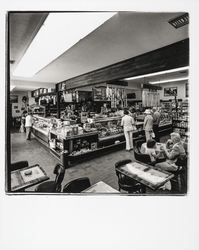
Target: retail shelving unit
(180,119)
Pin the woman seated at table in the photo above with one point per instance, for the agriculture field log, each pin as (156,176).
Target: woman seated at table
(175,152)
(151,150)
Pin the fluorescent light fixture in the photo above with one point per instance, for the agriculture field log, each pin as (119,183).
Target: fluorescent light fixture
(169,80)
(157,73)
(59,32)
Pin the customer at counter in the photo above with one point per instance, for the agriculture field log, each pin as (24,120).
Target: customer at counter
(128,124)
(156,122)
(28,125)
(132,112)
(148,124)
(172,154)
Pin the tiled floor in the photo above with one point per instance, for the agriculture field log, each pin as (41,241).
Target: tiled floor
(99,169)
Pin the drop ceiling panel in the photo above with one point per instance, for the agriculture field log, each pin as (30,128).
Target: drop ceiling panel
(23,28)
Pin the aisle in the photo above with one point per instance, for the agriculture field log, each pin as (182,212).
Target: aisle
(98,169)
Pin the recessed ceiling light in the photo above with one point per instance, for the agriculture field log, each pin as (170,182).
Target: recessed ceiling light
(59,32)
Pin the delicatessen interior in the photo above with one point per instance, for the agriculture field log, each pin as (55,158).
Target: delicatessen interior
(73,135)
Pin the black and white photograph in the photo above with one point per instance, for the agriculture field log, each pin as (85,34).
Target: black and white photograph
(99,114)
(99,132)
(173,91)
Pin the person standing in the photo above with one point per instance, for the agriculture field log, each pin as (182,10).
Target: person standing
(148,124)
(28,125)
(156,122)
(128,124)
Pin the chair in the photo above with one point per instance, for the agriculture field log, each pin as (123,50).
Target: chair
(180,176)
(19,165)
(142,157)
(138,144)
(77,185)
(53,186)
(125,183)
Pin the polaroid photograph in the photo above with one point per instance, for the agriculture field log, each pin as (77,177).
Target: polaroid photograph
(112,147)
(107,100)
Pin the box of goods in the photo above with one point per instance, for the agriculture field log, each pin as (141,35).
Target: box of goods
(50,90)
(93,145)
(52,144)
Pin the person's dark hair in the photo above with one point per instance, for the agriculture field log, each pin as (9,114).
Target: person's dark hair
(151,143)
(126,112)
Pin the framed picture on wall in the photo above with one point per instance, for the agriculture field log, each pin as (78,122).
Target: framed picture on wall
(172,91)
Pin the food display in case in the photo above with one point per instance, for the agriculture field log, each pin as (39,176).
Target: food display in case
(70,145)
(108,126)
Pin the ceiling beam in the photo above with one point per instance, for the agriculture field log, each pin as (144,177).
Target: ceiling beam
(172,56)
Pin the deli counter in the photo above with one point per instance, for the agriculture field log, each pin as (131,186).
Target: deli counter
(70,142)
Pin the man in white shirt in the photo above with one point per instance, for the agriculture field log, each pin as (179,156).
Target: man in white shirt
(128,124)
(28,125)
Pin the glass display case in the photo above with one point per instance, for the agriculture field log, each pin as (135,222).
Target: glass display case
(38,110)
(108,127)
(40,129)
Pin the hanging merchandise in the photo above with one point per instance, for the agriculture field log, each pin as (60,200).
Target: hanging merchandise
(150,98)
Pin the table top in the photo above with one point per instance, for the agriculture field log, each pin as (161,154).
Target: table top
(100,187)
(27,177)
(158,145)
(146,174)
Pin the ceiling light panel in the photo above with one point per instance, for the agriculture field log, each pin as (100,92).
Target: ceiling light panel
(59,32)
(169,80)
(157,73)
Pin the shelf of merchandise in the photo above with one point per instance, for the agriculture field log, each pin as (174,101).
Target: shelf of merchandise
(67,144)
(180,120)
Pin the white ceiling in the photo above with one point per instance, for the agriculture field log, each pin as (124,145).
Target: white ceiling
(125,35)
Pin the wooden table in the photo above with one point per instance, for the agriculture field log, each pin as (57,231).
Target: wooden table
(20,180)
(100,187)
(145,174)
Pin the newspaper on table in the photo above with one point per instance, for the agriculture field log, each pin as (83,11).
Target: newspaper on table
(150,176)
(36,173)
